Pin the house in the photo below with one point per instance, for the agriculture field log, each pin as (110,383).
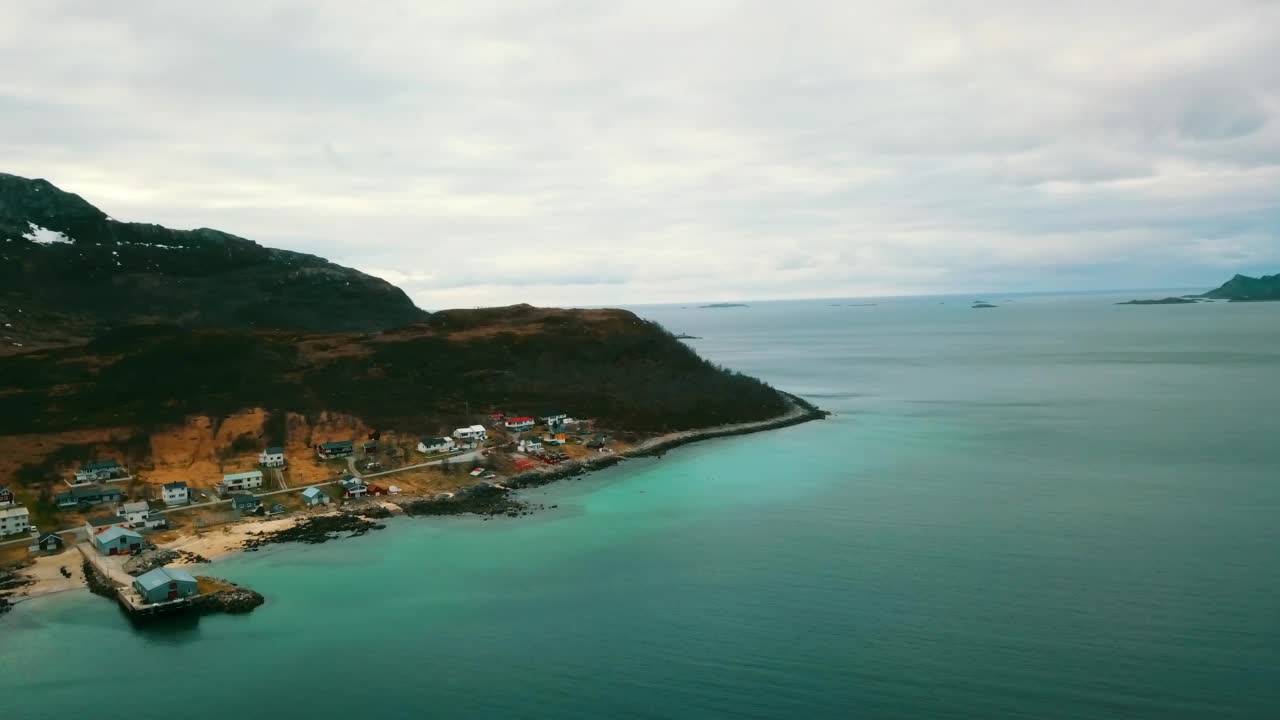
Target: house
(554,419)
(6,497)
(14,520)
(435,445)
(336,449)
(598,441)
(116,540)
(471,434)
(87,495)
(555,439)
(98,525)
(529,446)
(519,424)
(278,509)
(271,457)
(354,488)
(176,493)
(245,503)
(51,543)
(134,512)
(140,514)
(165,585)
(236,482)
(369,447)
(314,496)
(97,472)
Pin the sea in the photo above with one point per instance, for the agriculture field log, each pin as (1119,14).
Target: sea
(1058,507)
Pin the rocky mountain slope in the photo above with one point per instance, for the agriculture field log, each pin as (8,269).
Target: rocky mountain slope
(1243,288)
(68,272)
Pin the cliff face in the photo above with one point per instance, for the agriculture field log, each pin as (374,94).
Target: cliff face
(68,272)
(1243,288)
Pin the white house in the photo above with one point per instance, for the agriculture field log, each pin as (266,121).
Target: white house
(240,481)
(14,520)
(519,424)
(530,446)
(354,488)
(554,419)
(176,493)
(271,457)
(435,445)
(134,512)
(471,434)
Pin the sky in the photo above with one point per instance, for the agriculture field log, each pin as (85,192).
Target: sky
(596,153)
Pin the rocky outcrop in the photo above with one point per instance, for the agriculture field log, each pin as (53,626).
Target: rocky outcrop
(482,499)
(97,584)
(234,600)
(316,529)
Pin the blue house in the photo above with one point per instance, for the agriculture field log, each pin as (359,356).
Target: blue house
(245,503)
(165,585)
(116,540)
(87,495)
(314,496)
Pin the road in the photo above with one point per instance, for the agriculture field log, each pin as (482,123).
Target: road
(465,457)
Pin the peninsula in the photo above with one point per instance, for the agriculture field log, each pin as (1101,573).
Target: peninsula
(312,400)
(1243,288)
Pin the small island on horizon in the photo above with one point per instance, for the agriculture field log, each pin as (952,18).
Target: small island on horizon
(717,306)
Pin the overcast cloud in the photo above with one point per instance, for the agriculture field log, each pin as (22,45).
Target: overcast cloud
(596,153)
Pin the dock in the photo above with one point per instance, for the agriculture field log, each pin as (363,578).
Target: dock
(111,571)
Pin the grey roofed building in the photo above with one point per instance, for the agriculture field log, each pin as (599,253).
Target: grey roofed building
(175,485)
(165,583)
(245,502)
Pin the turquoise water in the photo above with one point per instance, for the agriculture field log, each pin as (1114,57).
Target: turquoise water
(1056,509)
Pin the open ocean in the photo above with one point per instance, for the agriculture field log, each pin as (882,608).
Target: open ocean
(1059,508)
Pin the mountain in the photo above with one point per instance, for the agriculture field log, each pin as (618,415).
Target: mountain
(1243,288)
(68,272)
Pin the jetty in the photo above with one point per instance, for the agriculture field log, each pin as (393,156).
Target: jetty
(106,576)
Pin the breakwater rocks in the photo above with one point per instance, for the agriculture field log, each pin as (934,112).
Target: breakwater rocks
(315,530)
(97,584)
(233,600)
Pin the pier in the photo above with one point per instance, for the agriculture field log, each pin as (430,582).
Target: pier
(110,570)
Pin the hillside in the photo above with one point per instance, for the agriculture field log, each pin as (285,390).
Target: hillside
(1243,288)
(449,369)
(68,272)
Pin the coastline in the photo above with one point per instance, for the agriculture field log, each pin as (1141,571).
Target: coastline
(231,538)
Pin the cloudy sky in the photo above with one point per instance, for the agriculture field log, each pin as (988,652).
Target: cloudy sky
(573,152)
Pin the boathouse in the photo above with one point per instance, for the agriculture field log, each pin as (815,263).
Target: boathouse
(165,585)
(116,540)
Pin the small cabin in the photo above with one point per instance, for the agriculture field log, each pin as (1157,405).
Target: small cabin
(314,496)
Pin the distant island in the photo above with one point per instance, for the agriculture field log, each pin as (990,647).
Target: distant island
(1243,288)
(1162,301)
(981,305)
(683,336)
(715,306)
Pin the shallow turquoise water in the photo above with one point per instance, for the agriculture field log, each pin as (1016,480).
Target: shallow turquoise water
(1056,509)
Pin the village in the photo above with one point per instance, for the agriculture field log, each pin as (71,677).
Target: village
(107,517)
